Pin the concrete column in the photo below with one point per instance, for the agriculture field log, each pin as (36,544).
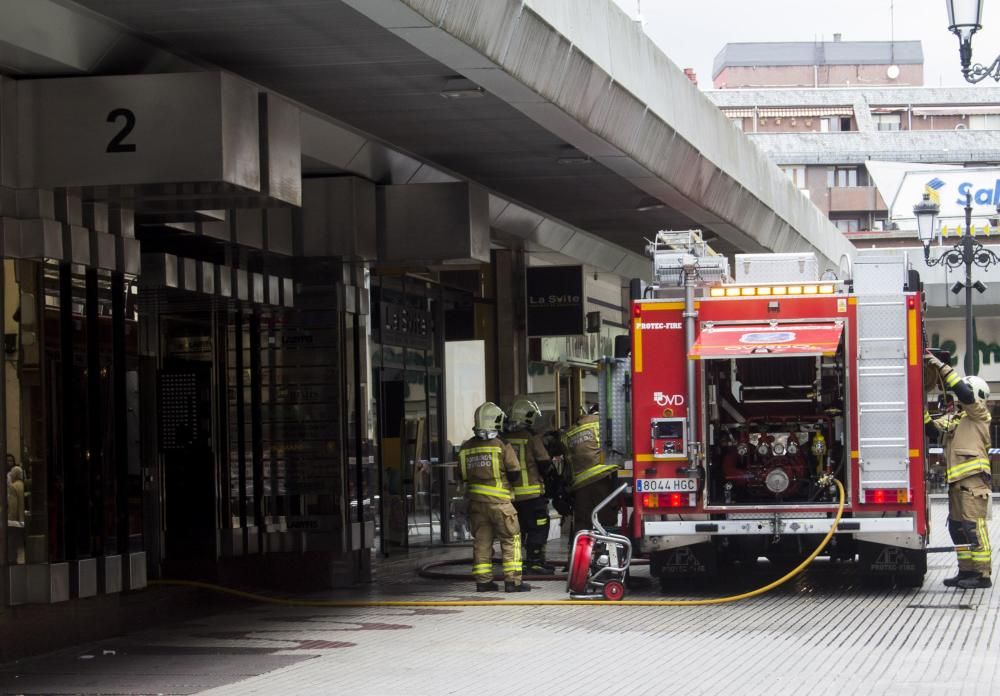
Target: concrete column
(511,342)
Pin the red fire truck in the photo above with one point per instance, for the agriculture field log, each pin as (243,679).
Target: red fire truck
(745,393)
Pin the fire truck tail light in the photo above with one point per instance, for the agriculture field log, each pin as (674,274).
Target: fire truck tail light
(883,496)
(668,500)
(636,310)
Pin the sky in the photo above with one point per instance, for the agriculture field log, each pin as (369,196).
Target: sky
(692,33)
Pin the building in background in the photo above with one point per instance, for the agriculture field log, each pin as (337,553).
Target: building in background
(791,64)
(832,143)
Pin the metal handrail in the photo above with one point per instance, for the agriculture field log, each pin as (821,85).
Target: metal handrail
(601,505)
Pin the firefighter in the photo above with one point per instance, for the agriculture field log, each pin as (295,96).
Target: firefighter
(590,479)
(489,466)
(529,490)
(965,436)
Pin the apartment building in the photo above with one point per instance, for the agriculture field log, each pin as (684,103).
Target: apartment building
(832,136)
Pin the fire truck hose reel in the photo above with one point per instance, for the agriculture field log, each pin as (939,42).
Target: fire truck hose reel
(348,603)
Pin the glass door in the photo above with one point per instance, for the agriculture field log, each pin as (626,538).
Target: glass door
(407,386)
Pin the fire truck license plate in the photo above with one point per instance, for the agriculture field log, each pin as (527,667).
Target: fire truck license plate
(667,485)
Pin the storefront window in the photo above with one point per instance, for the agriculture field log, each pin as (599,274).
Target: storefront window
(26,470)
(273,396)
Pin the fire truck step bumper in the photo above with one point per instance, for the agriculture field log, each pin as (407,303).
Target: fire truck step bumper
(797,525)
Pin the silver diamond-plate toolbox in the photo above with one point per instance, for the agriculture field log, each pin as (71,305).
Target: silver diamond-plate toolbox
(668,268)
(777,268)
(616,432)
(883,409)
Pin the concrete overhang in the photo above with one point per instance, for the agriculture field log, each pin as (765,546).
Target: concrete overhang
(584,71)
(41,38)
(328,146)
(565,81)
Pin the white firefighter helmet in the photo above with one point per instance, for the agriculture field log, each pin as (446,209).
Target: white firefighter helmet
(980,389)
(488,420)
(523,413)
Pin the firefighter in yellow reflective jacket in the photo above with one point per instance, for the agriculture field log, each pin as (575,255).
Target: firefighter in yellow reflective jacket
(489,466)
(529,490)
(591,480)
(965,436)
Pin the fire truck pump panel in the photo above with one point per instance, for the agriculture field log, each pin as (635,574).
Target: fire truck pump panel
(776,427)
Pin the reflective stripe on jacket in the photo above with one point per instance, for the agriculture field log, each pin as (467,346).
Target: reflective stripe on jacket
(963,470)
(965,437)
(529,486)
(583,444)
(481,466)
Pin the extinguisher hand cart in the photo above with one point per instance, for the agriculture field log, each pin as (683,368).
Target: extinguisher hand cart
(600,559)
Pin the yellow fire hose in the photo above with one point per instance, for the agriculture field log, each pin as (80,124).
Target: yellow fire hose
(364,603)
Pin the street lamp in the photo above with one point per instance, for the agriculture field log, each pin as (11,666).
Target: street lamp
(966,252)
(965,18)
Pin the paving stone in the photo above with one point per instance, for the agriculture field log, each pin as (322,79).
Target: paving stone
(823,633)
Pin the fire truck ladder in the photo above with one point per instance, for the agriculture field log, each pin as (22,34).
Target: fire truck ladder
(883,415)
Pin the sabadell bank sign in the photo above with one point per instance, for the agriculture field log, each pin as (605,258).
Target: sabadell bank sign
(952,186)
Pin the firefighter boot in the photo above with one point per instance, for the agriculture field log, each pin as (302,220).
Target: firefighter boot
(536,563)
(962,575)
(516,587)
(487,587)
(548,564)
(978,581)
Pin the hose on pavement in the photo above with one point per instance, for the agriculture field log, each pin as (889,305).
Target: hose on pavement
(411,603)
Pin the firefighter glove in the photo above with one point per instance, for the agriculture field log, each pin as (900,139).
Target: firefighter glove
(930,359)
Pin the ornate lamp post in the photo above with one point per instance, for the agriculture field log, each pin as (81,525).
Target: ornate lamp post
(966,252)
(965,18)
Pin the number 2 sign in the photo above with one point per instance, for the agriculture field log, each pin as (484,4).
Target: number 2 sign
(118,143)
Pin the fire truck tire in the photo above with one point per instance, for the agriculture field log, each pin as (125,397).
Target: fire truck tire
(613,591)
(688,585)
(909,580)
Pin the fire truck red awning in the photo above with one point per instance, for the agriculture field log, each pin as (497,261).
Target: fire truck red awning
(767,341)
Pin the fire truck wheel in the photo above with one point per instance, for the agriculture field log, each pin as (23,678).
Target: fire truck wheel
(876,582)
(685,585)
(613,591)
(909,580)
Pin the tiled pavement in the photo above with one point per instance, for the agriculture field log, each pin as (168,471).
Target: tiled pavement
(824,634)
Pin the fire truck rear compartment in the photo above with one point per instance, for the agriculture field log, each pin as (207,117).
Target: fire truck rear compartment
(774,426)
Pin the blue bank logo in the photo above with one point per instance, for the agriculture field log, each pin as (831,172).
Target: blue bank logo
(935,184)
